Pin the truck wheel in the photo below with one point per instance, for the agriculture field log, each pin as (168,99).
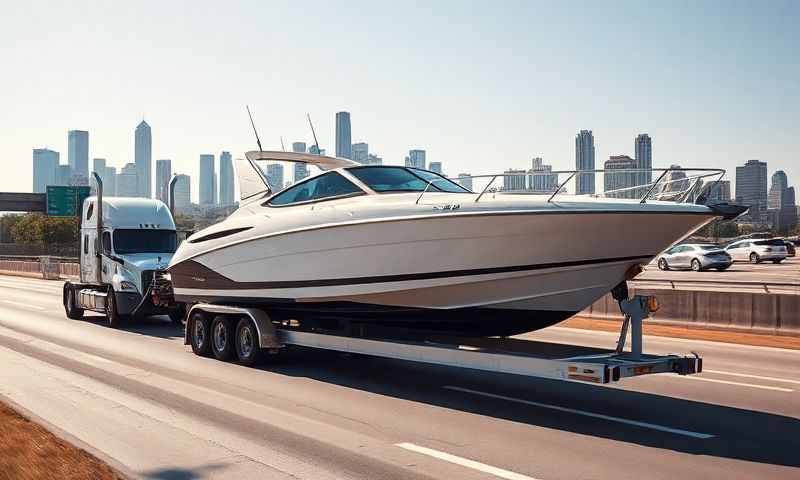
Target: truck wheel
(178,315)
(200,334)
(71,303)
(222,338)
(115,320)
(248,350)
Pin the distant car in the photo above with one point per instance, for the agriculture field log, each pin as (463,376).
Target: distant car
(697,257)
(791,251)
(757,251)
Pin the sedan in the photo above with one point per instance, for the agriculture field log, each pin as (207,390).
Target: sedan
(697,257)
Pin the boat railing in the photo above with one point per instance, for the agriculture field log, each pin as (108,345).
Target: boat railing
(682,185)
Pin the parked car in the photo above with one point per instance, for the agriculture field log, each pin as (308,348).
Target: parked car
(791,250)
(757,251)
(697,257)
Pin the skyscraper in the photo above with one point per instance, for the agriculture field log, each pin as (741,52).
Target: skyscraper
(435,167)
(514,180)
(99,166)
(719,191)
(751,188)
(584,160)
(343,137)
(63,175)
(183,192)
(300,172)
(78,152)
(163,176)
(643,147)
(226,185)
(45,169)
(275,176)
(540,178)
(299,147)
(110,181)
(208,177)
(360,152)
(374,160)
(143,156)
(614,181)
(465,180)
(416,158)
(127,181)
(315,151)
(779,183)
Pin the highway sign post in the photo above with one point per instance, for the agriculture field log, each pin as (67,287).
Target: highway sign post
(65,201)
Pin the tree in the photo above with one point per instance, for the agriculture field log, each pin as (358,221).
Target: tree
(35,228)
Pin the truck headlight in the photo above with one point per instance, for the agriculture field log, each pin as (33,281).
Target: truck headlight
(126,285)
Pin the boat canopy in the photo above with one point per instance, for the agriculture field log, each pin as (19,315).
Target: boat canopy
(321,161)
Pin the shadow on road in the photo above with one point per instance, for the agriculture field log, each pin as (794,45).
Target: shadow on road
(182,473)
(738,433)
(156,326)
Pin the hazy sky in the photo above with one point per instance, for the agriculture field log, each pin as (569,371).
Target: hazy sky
(482,86)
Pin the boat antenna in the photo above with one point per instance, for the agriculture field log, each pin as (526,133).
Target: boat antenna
(258,141)
(282,146)
(316,143)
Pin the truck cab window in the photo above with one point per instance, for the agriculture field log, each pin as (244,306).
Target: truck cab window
(107,242)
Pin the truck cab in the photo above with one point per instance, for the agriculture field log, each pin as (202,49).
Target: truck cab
(123,260)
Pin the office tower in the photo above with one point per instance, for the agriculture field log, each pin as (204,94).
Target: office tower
(718,191)
(163,176)
(110,181)
(360,152)
(465,180)
(99,167)
(643,148)
(584,160)
(299,147)
(78,152)
(343,138)
(514,180)
(779,183)
(674,180)
(314,151)
(751,188)
(435,167)
(128,181)
(226,185)
(45,169)
(183,192)
(374,160)
(785,217)
(615,181)
(416,159)
(143,157)
(540,178)
(300,172)
(275,176)
(63,175)
(208,178)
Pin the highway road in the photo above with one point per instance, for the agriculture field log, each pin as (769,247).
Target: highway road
(787,271)
(138,397)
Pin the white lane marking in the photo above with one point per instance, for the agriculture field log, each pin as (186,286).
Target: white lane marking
(758,377)
(738,384)
(464,462)
(26,305)
(636,423)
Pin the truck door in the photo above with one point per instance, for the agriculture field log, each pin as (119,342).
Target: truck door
(88,258)
(108,264)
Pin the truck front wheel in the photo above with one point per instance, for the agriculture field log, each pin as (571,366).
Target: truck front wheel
(71,303)
(115,320)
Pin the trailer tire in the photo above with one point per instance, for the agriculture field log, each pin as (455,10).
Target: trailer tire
(223,331)
(200,334)
(248,350)
(115,320)
(71,303)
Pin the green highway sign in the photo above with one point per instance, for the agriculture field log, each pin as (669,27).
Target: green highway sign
(65,201)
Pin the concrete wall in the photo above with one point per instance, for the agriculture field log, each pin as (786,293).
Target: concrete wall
(65,269)
(766,313)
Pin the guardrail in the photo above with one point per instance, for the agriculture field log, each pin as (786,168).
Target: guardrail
(50,268)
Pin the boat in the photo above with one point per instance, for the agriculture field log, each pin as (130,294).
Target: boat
(369,247)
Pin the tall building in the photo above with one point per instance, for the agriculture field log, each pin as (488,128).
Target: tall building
(226,182)
(779,183)
(128,181)
(343,137)
(374,160)
(540,178)
(183,192)
(719,191)
(300,172)
(751,189)
(514,180)
(163,176)
(63,175)
(208,180)
(465,179)
(643,148)
(275,176)
(45,169)
(101,169)
(299,147)
(143,156)
(360,152)
(78,152)
(614,181)
(785,217)
(110,181)
(584,160)
(674,180)
(435,167)
(416,159)
(315,151)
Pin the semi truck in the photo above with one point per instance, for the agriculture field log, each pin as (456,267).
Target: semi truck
(125,247)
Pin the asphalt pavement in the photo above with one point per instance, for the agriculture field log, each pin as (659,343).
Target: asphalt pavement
(139,397)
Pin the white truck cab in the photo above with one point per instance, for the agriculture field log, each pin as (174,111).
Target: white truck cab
(123,272)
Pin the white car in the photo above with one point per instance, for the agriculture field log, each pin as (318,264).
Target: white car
(757,250)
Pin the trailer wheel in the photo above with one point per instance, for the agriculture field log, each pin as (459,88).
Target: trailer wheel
(71,304)
(248,350)
(115,320)
(200,334)
(222,338)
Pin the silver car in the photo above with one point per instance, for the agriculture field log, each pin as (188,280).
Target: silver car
(697,257)
(757,250)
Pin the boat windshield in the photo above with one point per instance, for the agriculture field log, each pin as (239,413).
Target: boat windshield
(144,241)
(401,179)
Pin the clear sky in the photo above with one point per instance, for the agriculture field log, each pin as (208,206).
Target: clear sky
(482,86)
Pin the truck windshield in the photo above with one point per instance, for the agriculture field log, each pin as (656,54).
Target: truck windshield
(144,241)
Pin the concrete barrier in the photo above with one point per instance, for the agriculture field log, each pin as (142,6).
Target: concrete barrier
(65,270)
(765,313)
